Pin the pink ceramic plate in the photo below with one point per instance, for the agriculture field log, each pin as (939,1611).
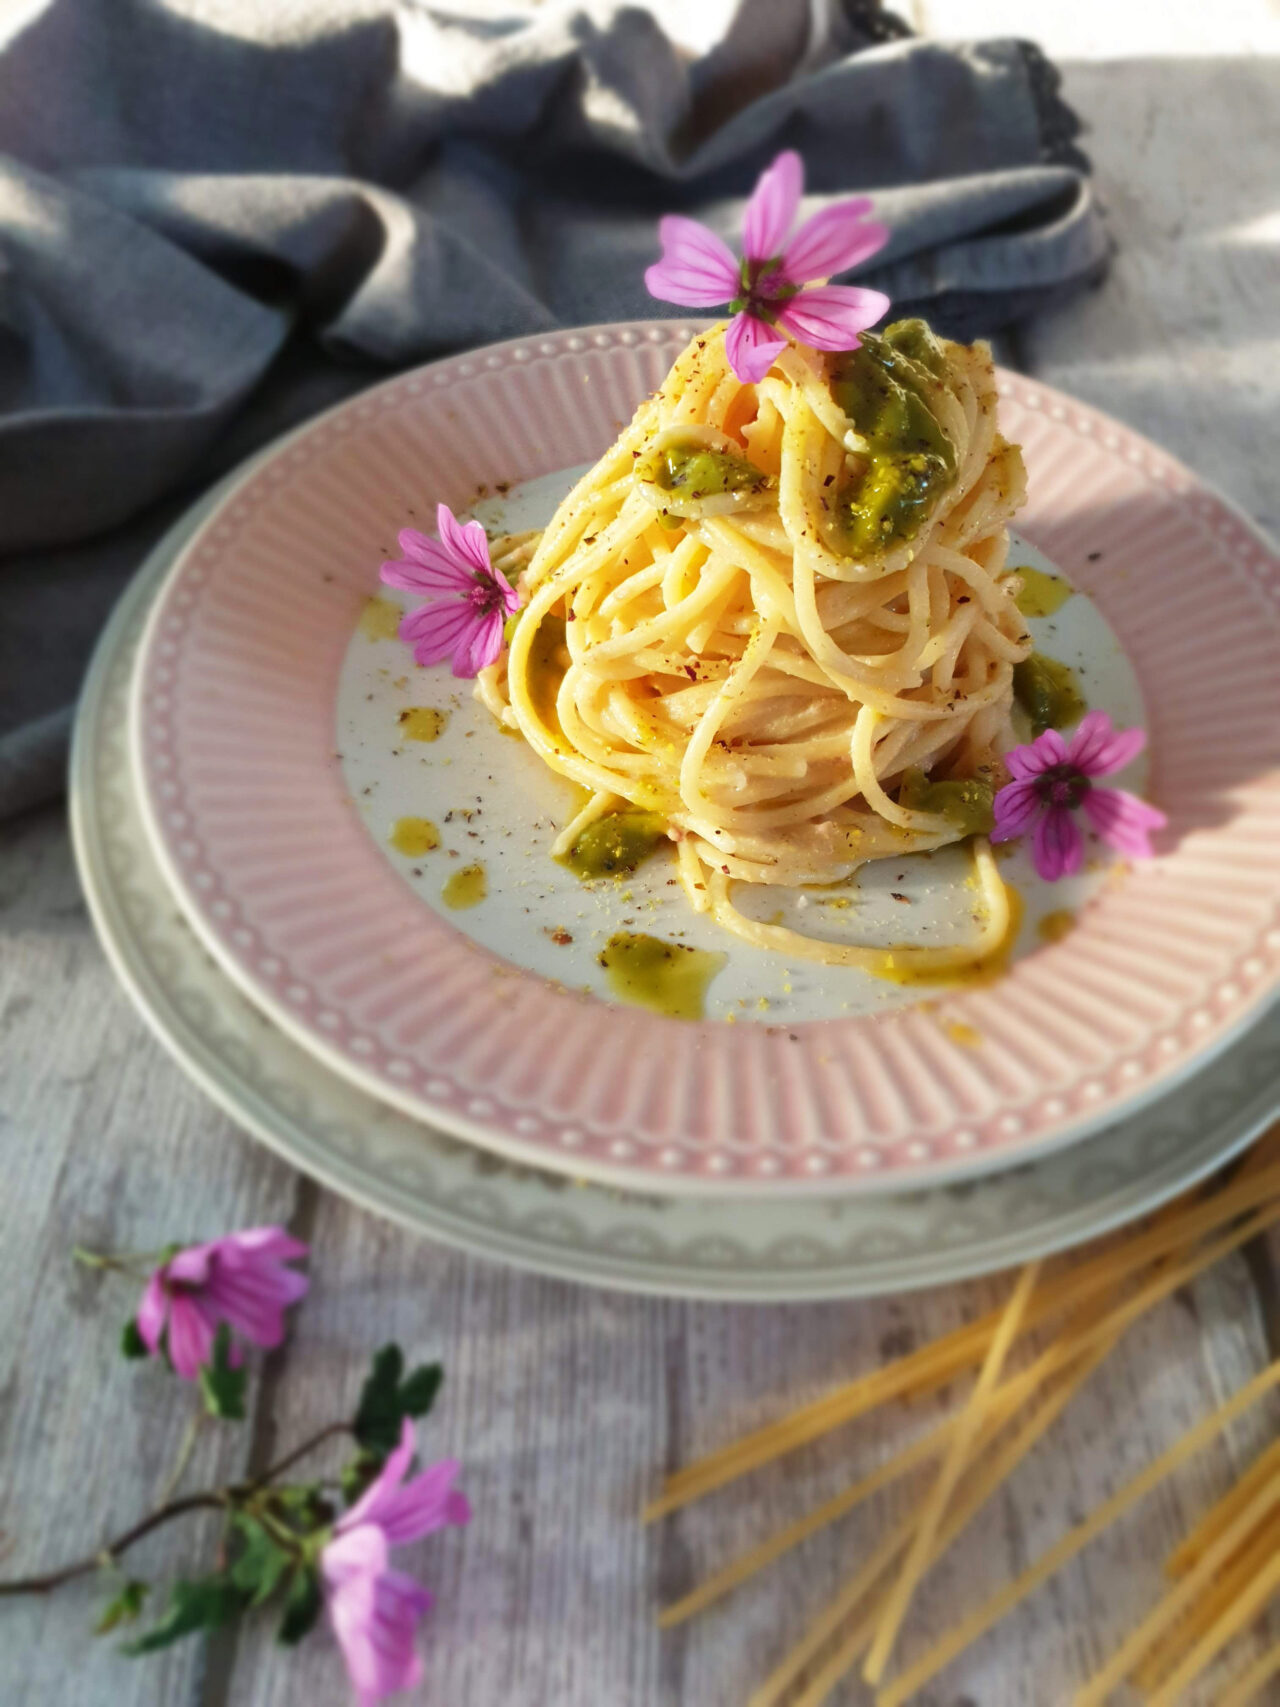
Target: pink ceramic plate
(234,725)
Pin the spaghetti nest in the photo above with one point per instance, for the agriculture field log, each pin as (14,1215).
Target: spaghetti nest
(773,615)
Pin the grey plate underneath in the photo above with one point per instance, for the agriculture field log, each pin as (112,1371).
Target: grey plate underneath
(701,1247)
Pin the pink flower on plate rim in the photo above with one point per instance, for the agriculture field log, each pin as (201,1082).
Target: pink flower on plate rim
(239,1279)
(374,1609)
(1053,779)
(472,599)
(765,290)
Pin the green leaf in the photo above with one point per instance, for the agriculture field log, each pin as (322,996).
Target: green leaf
(301,1606)
(418,1393)
(222,1386)
(385,1400)
(203,1605)
(132,1343)
(124,1608)
(260,1562)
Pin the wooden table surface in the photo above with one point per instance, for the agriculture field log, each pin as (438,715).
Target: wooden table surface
(567,1404)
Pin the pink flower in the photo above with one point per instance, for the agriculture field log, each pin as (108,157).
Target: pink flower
(374,1609)
(239,1280)
(698,270)
(1052,779)
(468,625)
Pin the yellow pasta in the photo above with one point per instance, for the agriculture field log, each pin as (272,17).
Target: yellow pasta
(934,1365)
(781,630)
(978,1622)
(958,1449)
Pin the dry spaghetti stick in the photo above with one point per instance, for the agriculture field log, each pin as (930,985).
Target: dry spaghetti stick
(1170,1650)
(936,1364)
(1248,1602)
(1250,1682)
(1219,1515)
(958,1450)
(990,1478)
(1158,1621)
(999,1605)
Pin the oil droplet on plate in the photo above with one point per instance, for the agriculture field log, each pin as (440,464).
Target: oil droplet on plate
(422,723)
(1054,926)
(1042,594)
(414,836)
(466,888)
(967,1036)
(380,619)
(664,976)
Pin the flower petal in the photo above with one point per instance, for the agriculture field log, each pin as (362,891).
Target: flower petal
(436,630)
(1037,756)
(1123,820)
(437,570)
(480,647)
(151,1312)
(1098,748)
(386,1484)
(830,317)
(374,1616)
(752,347)
(697,269)
(469,545)
(425,1504)
(191,1266)
(1058,845)
(772,207)
(360,1552)
(271,1242)
(190,1336)
(832,241)
(1016,807)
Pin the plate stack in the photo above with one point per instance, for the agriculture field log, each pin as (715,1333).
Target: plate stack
(275,849)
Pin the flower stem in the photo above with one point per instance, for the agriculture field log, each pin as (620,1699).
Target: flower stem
(212,1499)
(287,1463)
(113,1549)
(116,1262)
(186,1447)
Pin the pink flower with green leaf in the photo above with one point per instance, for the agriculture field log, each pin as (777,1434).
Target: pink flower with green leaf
(470,600)
(239,1280)
(374,1609)
(766,289)
(1054,780)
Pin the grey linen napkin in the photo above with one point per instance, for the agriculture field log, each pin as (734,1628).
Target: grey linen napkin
(217,216)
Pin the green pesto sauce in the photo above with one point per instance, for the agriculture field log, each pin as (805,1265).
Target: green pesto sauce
(618,842)
(888,388)
(665,976)
(466,888)
(688,469)
(1041,595)
(965,802)
(1049,693)
(913,339)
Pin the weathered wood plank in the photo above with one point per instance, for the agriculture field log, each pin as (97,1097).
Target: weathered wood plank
(106,1144)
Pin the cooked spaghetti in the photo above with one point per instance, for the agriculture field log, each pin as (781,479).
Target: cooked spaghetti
(772,621)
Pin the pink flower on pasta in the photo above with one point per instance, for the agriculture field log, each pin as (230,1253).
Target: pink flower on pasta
(374,1609)
(1054,779)
(240,1280)
(471,599)
(766,289)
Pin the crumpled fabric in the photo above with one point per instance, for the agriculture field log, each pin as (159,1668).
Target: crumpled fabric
(219,216)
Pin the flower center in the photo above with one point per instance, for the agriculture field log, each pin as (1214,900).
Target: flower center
(486,596)
(761,291)
(1062,785)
